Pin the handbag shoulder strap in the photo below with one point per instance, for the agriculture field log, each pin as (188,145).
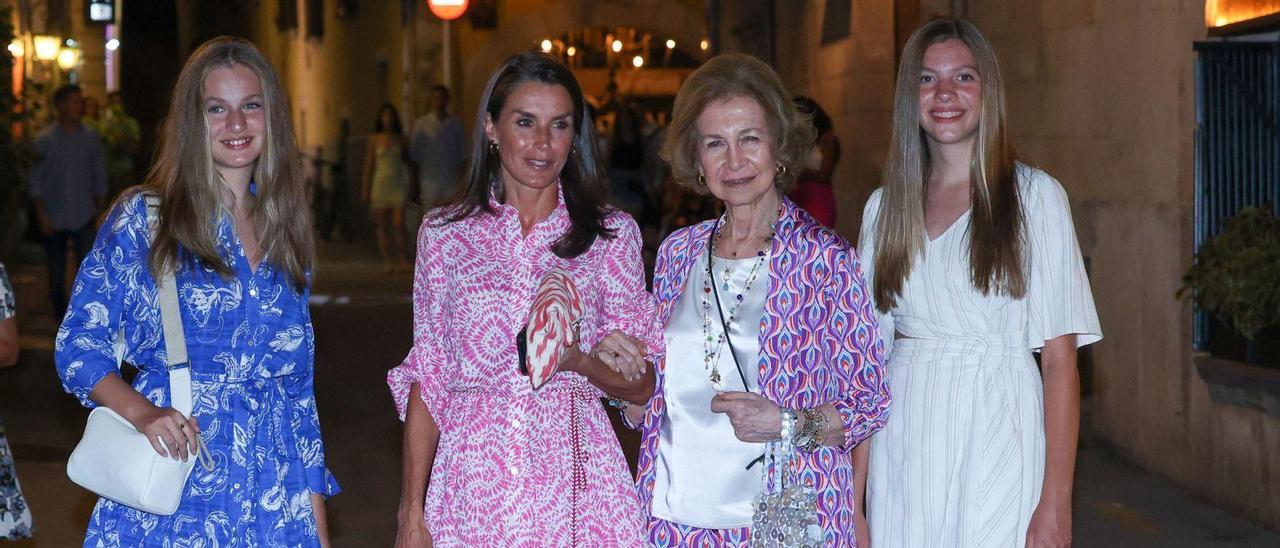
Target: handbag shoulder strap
(175,339)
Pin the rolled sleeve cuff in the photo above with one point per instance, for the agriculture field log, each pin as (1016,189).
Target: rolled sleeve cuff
(627,421)
(321,481)
(401,380)
(82,380)
(858,423)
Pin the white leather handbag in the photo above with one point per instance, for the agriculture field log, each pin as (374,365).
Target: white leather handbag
(114,459)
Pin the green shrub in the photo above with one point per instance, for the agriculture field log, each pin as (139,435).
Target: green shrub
(1236,275)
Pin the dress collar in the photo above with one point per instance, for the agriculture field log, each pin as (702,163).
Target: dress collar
(505,210)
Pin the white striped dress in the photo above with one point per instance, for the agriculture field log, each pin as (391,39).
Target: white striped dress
(961,459)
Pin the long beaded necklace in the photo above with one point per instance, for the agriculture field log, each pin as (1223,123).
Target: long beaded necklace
(712,345)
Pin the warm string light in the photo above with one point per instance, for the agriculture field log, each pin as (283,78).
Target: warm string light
(619,48)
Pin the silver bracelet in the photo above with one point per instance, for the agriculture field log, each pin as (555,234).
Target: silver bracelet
(809,437)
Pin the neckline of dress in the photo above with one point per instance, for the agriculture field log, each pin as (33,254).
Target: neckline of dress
(951,226)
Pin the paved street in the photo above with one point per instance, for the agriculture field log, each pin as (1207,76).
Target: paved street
(362,321)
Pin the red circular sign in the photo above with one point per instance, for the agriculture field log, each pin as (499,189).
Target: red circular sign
(448,9)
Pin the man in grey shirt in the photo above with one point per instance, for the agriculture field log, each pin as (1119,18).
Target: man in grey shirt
(436,147)
(68,184)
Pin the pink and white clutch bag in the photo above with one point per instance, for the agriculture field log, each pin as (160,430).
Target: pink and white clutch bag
(553,319)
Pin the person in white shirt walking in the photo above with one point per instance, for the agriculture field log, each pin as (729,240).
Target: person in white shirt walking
(436,147)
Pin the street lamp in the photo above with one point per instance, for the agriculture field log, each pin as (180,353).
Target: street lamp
(637,61)
(17,48)
(68,58)
(546,46)
(47,47)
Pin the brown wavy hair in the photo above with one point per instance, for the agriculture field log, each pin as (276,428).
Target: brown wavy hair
(722,78)
(996,224)
(190,188)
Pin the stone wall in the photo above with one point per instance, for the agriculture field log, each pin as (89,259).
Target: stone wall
(1102,97)
(92,72)
(347,74)
(853,80)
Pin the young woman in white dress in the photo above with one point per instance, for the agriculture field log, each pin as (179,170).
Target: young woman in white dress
(975,267)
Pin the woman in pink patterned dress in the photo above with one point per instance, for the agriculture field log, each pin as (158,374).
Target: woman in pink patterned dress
(500,463)
(770,333)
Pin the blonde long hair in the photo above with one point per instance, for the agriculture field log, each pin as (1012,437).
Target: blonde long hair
(190,187)
(996,225)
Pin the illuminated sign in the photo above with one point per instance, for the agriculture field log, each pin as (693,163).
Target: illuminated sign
(447,9)
(1220,13)
(100,11)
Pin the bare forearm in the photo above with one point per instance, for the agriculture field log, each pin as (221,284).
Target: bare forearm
(322,519)
(1061,418)
(861,463)
(421,437)
(635,414)
(8,353)
(832,432)
(611,382)
(8,342)
(117,395)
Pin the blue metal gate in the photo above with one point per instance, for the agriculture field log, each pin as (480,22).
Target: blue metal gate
(1237,136)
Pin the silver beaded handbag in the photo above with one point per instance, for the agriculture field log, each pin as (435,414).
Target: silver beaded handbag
(785,513)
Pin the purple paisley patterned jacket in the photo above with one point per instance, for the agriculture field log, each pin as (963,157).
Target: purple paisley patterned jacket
(819,344)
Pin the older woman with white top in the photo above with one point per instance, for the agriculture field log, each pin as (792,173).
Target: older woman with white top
(772,368)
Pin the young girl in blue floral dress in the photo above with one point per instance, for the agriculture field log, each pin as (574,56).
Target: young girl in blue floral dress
(234,225)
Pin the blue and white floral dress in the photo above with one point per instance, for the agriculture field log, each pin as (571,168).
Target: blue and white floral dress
(15,516)
(252,351)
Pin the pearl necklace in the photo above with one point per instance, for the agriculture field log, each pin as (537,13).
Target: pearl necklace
(712,345)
